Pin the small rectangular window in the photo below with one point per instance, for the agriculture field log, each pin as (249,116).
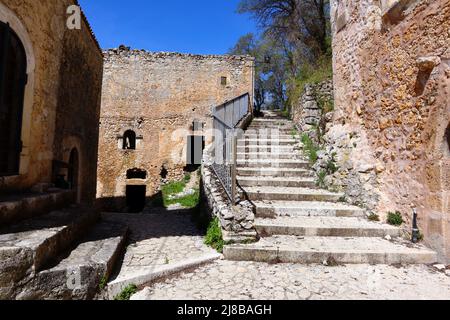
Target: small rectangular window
(223,81)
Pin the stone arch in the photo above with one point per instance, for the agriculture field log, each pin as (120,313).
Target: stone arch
(7,16)
(71,145)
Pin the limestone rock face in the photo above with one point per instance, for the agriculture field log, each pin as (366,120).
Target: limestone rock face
(391,101)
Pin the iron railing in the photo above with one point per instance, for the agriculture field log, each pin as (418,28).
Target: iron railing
(226,117)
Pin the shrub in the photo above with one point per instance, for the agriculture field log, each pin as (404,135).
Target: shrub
(310,148)
(395,218)
(374,217)
(214,237)
(127,292)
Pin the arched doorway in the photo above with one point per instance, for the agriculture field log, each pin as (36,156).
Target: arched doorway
(13,79)
(136,190)
(72,176)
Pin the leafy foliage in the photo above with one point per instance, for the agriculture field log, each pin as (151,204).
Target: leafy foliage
(395,218)
(127,292)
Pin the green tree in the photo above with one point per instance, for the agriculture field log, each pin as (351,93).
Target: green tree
(302,23)
(250,45)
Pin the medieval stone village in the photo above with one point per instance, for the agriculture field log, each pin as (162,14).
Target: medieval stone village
(131,174)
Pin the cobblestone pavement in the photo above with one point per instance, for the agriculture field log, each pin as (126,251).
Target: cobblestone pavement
(250,280)
(158,238)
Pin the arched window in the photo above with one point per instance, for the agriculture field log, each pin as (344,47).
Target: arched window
(129,140)
(13,78)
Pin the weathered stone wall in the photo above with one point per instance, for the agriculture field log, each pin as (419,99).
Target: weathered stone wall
(391,79)
(62,98)
(158,96)
(315,104)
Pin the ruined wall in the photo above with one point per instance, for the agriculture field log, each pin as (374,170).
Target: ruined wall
(391,79)
(158,96)
(62,96)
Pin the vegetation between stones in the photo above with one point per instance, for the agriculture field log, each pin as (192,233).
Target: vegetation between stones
(127,292)
(214,237)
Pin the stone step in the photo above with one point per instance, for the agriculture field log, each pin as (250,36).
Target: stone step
(291,194)
(17,207)
(352,250)
(286,128)
(258,181)
(269,155)
(272,149)
(274,172)
(269,120)
(272,163)
(267,142)
(324,227)
(306,209)
(269,132)
(251,136)
(27,247)
(90,263)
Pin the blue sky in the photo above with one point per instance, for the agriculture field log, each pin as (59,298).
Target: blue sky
(188,26)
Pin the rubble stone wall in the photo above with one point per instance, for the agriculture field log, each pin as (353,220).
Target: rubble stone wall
(158,96)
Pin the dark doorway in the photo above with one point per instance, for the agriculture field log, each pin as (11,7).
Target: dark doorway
(136,198)
(13,78)
(72,176)
(196,145)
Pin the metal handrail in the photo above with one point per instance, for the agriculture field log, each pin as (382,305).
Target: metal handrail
(226,117)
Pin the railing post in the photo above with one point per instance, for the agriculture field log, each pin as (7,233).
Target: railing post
(233,167)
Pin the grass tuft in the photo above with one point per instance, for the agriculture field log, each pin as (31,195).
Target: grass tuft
(310,148)
(127,292)
(214,237)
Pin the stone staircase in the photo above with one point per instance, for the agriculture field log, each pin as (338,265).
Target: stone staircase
(51,248)
(300,223)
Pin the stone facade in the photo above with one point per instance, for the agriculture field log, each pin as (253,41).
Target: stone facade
(158,96)
(62,95)
(390,127)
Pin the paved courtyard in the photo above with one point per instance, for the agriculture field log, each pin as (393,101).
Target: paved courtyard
(160,242)
(249,281)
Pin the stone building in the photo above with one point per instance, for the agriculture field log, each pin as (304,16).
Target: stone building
(51,91)
(152,104)
(51,70)
(391,124)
